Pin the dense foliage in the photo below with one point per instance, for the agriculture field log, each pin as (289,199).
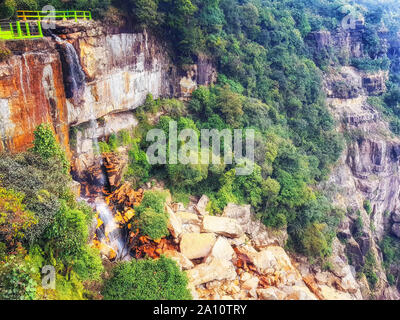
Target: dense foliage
(147,280)
(391,256)
(151,214)
(42,224)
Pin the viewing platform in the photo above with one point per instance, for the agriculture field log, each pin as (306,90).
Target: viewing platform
(44,15)
(31,23)
(20,30)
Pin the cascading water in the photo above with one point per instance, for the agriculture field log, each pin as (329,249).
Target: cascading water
(111,235)
(74,80)
(74,76)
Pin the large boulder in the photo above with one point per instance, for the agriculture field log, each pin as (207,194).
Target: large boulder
(222,250)
(197,245)
(272,261)
(250,284)
(222,226)
(298,293)
(188,218)
(115,165)
(182,261)
(271,293)
(174,223)
(202,205)
(216,269)
(260,235)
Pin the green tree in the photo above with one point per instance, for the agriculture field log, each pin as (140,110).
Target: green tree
(147,280)
(46,145)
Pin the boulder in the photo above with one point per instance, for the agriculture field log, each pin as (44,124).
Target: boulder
(200,207)
(245,276)
(270,293)
(187,217)
(298,293)
(182,261)
(330,293)
(191,228)
(222,250)
(275,258)
(216,269)
(197,245)
(250,284)
(260,235)
(222,226)
(115,164)
(178,207)
(174,224)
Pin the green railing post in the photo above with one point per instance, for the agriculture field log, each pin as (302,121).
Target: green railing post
(11,28)
(40,29)
(76,17)
(28,31)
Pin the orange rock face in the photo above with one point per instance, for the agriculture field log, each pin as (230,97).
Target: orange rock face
(31,92)
(39,83)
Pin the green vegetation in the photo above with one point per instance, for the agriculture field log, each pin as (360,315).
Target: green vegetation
(371,65)
(390,247)
(367,206)
(369,270)
(42,224)
(46,146)
(152,218)
(147,280)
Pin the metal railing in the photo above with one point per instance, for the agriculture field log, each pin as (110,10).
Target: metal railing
(64,15)
(20,30)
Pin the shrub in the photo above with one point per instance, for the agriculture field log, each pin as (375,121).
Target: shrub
(14,218)
(153,220)
(147,280)
(139,168)
(45,144)
(367,206)
(153,199)
(314,241)
(369,270)
(153,224)
(88,265)
(68,234)
(16,281)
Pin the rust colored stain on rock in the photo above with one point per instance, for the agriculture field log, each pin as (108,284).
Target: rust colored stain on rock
(31,92)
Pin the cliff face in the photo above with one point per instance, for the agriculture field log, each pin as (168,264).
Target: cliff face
(367,173)
(31,92)
(89,72)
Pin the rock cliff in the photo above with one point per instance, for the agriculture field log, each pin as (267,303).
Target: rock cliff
(86,72)
(365,181)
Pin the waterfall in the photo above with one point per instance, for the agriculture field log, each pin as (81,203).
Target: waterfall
(74,76)
(74,81)
(112,234)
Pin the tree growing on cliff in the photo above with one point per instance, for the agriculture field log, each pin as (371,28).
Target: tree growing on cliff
(46,145)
